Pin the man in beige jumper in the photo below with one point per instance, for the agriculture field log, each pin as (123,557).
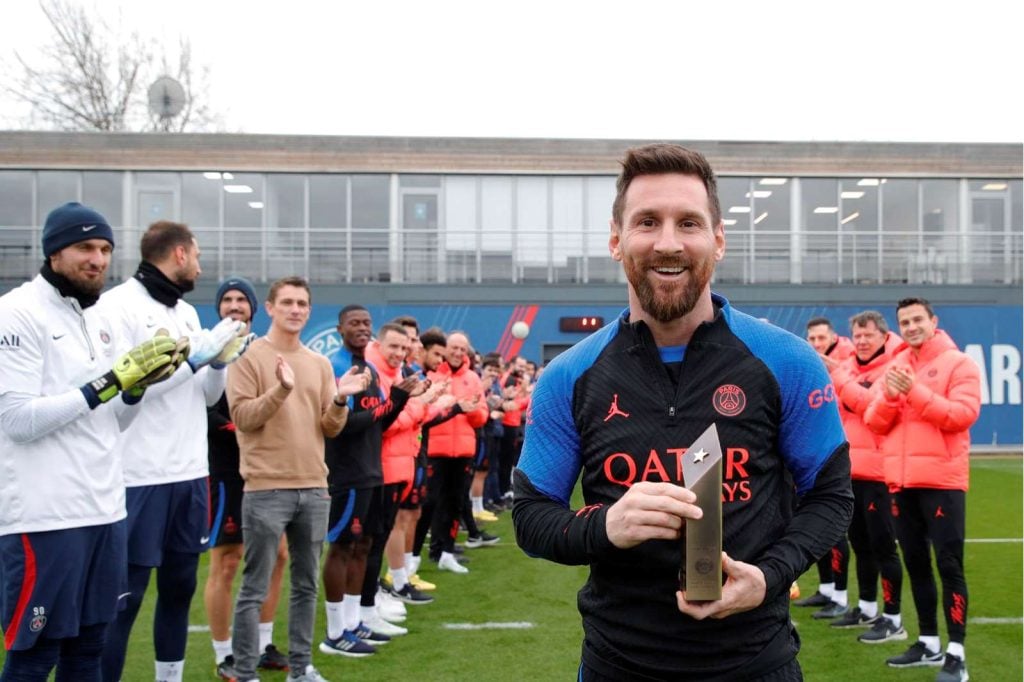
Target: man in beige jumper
(284,401)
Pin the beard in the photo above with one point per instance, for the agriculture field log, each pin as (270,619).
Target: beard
(91,287)
(185,283)
(662,302)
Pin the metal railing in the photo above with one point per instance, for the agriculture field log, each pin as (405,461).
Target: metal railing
(328,256)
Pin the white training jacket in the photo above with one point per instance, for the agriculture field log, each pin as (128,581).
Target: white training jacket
(59,465)
(166,442)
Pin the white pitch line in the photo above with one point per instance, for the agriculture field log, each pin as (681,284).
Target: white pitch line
(996,621)
(521,625)
(995,540)
(198,628)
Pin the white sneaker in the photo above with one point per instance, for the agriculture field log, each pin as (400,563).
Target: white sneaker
(378,624)
(389,608)
(311,675)
(448,563)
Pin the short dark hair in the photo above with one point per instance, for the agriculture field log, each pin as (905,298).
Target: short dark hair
(861,319)
(351,307)
(915,300)
(659,159)
(492,359)
(815,321)
(292,281)
(162,237)
(391,327)
(433,337)
(407,321)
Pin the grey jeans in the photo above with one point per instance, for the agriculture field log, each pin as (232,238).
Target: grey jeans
(266,514)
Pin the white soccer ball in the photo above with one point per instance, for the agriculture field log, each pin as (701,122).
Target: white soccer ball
(520,330)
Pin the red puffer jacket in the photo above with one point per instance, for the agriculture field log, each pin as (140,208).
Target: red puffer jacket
(457,436)
(843,349)
(401,442)
(927,438)
(853,382)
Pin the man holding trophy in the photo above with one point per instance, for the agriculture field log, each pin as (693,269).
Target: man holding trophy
(688,419)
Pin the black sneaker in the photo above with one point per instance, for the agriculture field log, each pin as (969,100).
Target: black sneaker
(272,659)
(483,540)
(916,655)
(833,610)
(410,595)
(370,637)
(884,630)
(225,670)
(854,618)
(953,670)
(817,599)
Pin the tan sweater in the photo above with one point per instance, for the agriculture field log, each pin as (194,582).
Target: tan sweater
(281,432)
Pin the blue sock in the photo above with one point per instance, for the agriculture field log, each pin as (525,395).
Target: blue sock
(80,656)
(121,628)
(30,665)
(176,583)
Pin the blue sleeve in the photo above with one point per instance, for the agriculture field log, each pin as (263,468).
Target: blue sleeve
(341,362)
(551,448)
(810,429)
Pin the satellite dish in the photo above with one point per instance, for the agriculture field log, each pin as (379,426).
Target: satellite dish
(166,98)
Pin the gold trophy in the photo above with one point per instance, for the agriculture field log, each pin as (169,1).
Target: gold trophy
(702,473)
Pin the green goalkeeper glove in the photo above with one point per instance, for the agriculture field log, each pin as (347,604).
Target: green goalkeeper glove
(149,362)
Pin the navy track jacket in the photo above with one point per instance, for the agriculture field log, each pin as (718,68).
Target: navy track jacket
(609,409)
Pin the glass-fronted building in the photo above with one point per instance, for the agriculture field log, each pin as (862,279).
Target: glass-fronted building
(456,211)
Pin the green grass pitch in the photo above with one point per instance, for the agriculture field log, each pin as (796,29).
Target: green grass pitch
(506,587)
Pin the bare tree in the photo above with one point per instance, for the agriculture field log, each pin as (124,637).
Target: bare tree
(91,78)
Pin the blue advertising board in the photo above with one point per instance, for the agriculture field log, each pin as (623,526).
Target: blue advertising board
(989,334)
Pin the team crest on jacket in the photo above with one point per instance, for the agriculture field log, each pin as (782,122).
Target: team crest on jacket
(104,336)
(729,400)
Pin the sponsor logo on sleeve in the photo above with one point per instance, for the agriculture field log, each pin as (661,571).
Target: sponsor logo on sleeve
(10,342)
(820,396)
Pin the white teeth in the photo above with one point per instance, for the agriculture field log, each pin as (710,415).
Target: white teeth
(668,271)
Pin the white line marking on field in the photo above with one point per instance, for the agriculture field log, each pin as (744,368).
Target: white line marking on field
(489,626)
(996,621)
(994,540)
(198,628)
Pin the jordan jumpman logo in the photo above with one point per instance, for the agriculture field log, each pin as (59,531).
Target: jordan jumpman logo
(614,409)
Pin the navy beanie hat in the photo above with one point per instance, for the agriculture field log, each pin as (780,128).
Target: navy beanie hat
(240,284)
(73,223)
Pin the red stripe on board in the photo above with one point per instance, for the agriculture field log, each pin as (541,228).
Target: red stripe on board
(506,336)
(28,584)
(517,344)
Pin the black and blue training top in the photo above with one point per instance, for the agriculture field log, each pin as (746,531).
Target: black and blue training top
(617,409)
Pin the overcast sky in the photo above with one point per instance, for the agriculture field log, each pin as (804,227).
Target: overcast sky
(892,70)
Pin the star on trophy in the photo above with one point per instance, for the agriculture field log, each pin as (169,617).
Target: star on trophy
(701,574)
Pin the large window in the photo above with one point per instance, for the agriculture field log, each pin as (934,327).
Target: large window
(528,228)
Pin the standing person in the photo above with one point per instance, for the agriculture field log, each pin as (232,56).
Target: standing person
(516,400)
(62,527)
(930,397)
(871,533)
(451,446)
(236,299)
(357,505)
(164,449)
(622,405)
(834,567)
(284,402)
(399,448)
